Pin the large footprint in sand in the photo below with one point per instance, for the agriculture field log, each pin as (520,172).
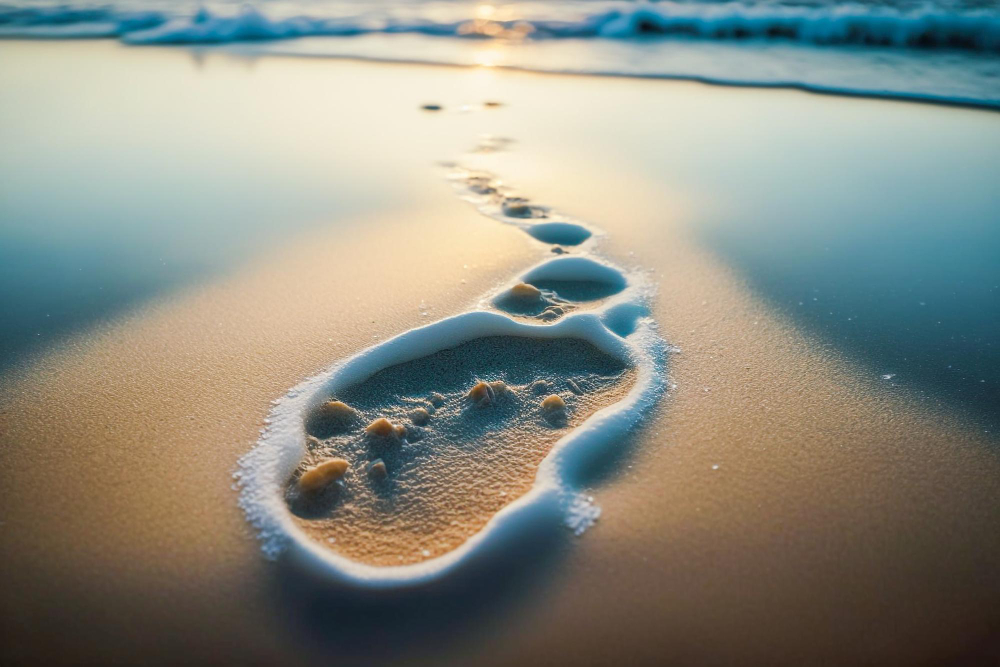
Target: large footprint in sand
(439,445)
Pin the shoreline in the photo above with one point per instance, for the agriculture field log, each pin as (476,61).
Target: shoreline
(233,50)
(912,98)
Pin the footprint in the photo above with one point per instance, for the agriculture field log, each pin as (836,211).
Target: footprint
(462,458)
(515,206)
(560,286)
(495,199)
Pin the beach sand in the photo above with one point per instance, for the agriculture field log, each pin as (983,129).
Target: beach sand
(781,505)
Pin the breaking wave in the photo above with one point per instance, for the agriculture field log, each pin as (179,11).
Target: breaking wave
(927,26)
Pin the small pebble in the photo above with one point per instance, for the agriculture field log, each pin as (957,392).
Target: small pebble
(436,399)
(482,394)
(431,107)
(525,291)
(485,393)
(382,428)
(574,387)
(377,469)
(539,386)
(420,416)
(553,403)
(321,474)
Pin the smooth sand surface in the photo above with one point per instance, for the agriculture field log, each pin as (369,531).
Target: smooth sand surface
(844,523)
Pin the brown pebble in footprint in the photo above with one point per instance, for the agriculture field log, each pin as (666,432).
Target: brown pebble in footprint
(384,429)
(320,475)
(554,409)
(525,292)
(486,393)
(377,470)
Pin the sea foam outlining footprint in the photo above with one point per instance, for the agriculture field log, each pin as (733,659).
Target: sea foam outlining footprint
(495,425)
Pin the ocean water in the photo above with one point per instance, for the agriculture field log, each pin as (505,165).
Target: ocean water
(940,50)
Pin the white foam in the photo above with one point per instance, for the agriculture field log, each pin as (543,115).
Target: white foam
(581,514)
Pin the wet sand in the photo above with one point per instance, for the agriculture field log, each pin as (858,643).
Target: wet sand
(845,522)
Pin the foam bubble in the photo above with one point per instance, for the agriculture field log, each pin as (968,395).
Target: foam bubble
(581,514)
